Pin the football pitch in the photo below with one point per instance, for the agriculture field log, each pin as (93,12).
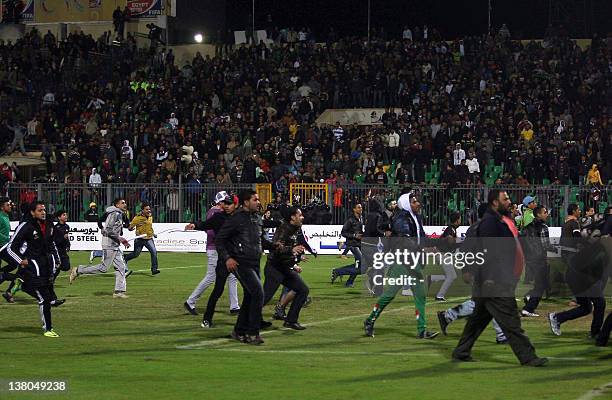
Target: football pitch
(147,347)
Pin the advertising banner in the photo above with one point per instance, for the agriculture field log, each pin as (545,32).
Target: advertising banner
(324,239)
(75,10)
(145,8)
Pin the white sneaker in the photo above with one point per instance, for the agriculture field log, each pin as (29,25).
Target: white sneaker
(555,326)
(407,292)
(120,295)
(526,313)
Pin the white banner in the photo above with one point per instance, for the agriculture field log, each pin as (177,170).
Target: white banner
(323,239)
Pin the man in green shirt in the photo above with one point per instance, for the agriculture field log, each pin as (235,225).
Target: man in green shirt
(529,203)
(5,232)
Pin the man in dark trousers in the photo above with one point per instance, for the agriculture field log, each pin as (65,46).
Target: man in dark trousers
(536,242)
(586,275)
(353,232)
(282,267)
(62,241)
(37,262)
(495,283)
(240,244)
(377,226)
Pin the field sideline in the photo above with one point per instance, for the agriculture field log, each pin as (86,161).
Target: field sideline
(147,347)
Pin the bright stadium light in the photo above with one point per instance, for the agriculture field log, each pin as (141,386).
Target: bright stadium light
(198,38)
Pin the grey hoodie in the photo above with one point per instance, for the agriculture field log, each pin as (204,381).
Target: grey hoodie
(113,229)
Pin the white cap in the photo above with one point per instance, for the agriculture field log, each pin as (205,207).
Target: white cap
(223,196)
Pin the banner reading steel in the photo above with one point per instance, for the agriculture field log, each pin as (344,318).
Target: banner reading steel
(75,10)
(145,8)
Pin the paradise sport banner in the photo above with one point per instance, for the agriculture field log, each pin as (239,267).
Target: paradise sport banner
(145,8)
(324,239)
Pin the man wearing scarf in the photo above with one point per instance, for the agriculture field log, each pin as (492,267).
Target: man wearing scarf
(495,284)
(408,225)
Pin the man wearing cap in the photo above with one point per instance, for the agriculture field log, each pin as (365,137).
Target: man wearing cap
(224,203)
(529,203)
(92,214)
(143,223)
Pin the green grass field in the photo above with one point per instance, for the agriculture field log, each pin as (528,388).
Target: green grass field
(147,347)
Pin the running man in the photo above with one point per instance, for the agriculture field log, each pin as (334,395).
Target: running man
(112,255)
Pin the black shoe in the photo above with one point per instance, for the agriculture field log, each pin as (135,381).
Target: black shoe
(427,335)
(8,297)
(443,322)
(334,276)
(265,324)
(58,302)
(206,324)
(294,325)
(154,272)
(501,341)
(254,340)
(279,313)
(308,301)
(368,326)
(463,359)
(235,311)
(349,285)
(536,362)
(190,310)
(240,338)
(128,273)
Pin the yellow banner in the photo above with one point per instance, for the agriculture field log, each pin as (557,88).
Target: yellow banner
(76,10)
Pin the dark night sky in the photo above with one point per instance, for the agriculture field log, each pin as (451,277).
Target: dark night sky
(453,18)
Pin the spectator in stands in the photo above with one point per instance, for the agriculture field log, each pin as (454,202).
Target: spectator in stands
(594,178)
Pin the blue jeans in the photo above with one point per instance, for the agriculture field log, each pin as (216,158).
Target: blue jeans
(354,269)
(138,245)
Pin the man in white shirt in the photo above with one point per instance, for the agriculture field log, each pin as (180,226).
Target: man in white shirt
(394,140)
(407,34)
(458,154)
(473,166)
(173,121)
(32,125)
(338,133)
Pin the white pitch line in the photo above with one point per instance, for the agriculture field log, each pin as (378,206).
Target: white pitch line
(368,353)
(206,343)
(593,393)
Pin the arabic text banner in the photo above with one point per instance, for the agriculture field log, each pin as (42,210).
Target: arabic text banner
(171,237)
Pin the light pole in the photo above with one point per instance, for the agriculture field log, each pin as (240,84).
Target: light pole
(254,41)
(369,18)
(489,24)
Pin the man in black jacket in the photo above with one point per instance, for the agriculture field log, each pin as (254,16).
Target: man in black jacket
(377,226)
(62,241)
(353,232)
(37,262)
(240,244)
(536,243)
(495,283)
(586,275)
(282,266)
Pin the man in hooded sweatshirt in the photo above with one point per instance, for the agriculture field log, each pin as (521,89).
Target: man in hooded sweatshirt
(111,240)
(408,225)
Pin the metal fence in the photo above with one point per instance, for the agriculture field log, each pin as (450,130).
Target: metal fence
(439,201)
(170,203)
(186,202)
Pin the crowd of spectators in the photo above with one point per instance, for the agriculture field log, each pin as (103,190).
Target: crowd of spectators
(101,113)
